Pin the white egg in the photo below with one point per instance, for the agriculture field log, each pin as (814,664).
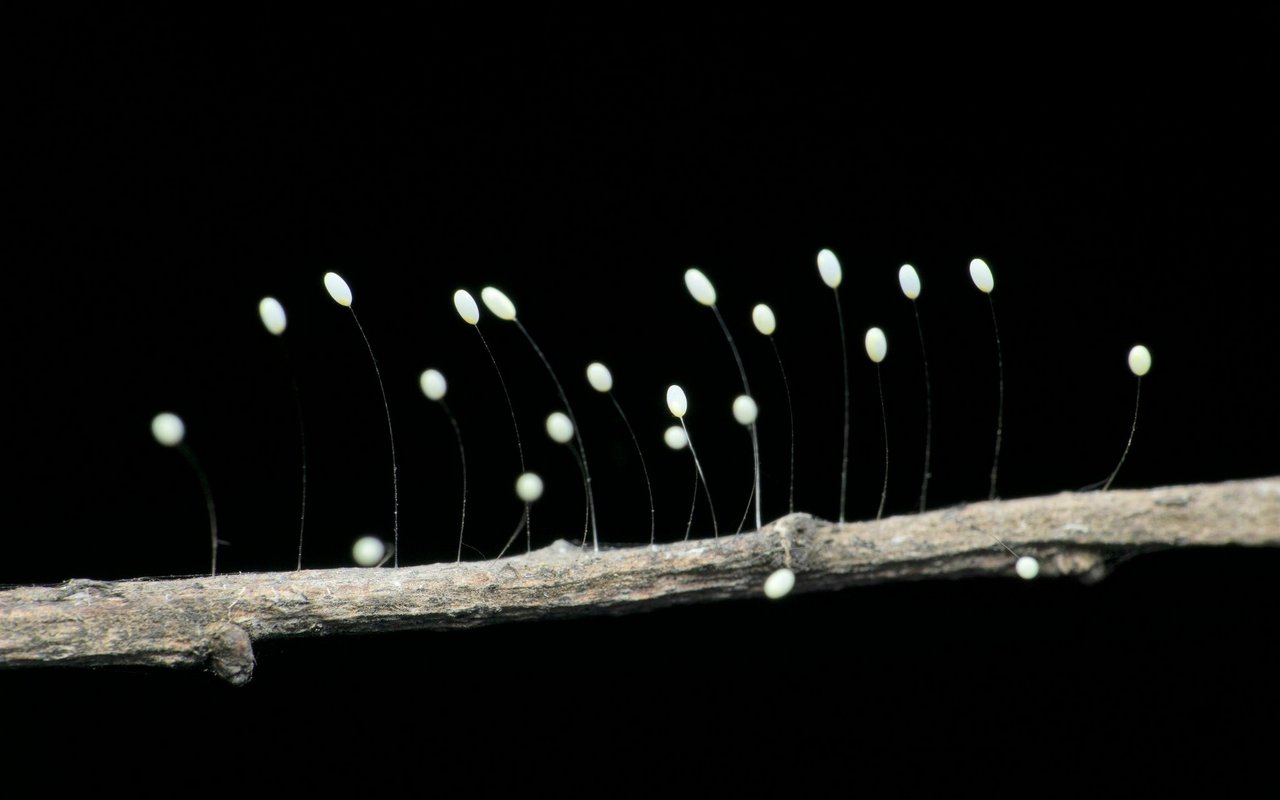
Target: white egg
(745,410)
(829,268)
(466,306)
(877,345)
(338,288)
(433,384)
(981,275)
(272,314)
(764,319)
(1140,360)
(599,376)
(168,429)
(529,487)
(676,401)
(909,280)
(675,437)
(498,303)
(779,584)
(368,551)
(559,427)
(699,286)
(1027,568)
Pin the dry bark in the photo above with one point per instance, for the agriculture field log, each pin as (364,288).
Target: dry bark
(212,622)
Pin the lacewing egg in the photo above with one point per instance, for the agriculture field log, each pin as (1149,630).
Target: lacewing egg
(1027,568)
(498,303)
(559,427)
(675,438)
(981,275)
(699,286)
(909,280)
(433,384)
(1140,361)
(368,551)
(599,376)
(829,268)
(272,313)
(764,319)
(168,429)
(676,401)
(877,345)
(529,487)
(466,306)
(338,288)
(779,584)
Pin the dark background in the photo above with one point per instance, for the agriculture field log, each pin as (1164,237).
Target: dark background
(1118,176)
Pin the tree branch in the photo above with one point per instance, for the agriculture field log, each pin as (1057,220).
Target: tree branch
(212,622)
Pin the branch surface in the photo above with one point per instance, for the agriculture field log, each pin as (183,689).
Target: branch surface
(212,622)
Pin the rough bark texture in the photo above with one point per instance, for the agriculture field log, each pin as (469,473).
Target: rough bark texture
(212,622)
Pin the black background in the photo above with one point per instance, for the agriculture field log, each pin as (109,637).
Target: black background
(1118,176)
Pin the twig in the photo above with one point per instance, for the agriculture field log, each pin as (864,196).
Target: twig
(212,622)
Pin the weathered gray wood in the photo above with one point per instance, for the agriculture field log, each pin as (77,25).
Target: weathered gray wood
(212,622)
